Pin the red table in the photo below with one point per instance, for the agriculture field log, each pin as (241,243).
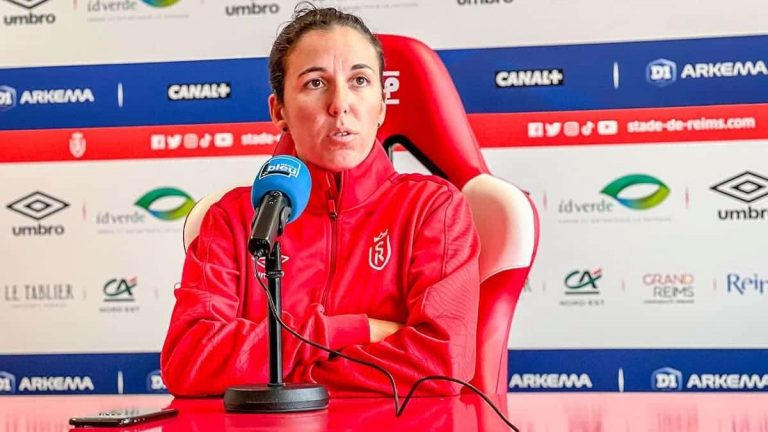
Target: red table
(550,412)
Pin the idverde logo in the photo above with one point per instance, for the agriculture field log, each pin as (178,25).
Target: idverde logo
(179,212)
(160,3)
(643,203)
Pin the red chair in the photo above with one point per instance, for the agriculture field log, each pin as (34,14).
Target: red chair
(425,115)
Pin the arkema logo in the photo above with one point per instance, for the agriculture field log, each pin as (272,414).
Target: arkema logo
(7,97)
(667,379)
(51,384)
(155,382)
(551,381)
(7,383)
(663,72)
(57,96)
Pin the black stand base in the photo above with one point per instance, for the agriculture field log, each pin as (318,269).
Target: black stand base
(267,399)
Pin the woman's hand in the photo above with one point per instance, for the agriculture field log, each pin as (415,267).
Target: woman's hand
(381,329)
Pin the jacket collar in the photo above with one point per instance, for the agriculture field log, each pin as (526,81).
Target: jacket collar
(356,184)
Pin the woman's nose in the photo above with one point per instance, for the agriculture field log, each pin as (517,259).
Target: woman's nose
(340,100)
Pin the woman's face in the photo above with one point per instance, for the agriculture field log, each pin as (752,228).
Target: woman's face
(332,99)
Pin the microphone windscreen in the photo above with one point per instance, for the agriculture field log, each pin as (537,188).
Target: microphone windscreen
(285,174)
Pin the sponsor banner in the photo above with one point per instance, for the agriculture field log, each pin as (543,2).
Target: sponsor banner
(638,370)
(626,126)
(148,142)
(616,75)
(603,370)
(635,126)
(489,80)
(134,94)
(131,373)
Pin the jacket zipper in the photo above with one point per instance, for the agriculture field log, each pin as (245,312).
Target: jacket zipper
(333,216)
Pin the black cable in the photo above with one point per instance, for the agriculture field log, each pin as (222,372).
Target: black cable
(399,409)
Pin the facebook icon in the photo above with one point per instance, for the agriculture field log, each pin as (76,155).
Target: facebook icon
(661,72)
(666,379)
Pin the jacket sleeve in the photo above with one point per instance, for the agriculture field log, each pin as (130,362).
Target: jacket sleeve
(439,336)
(209,345)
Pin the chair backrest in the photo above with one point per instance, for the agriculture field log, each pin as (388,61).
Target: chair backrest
(426,116)
(195,216)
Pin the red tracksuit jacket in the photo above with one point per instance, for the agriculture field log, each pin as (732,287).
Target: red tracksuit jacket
(378,244)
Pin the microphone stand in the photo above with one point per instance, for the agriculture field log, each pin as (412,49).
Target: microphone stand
(276,396)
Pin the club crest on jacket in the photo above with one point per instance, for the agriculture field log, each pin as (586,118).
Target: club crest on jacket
(381,251)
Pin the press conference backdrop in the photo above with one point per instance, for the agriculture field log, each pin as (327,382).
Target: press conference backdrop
(639,129)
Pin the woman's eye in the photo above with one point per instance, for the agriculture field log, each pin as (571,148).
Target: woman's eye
(361,80)
(315,83)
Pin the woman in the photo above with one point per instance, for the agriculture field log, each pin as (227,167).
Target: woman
(380,266)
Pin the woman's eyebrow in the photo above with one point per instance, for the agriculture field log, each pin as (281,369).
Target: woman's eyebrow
(361,66)
(312,69)
(322,69)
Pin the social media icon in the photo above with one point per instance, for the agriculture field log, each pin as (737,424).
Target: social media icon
(190,141)
(571,129)
(174,141)
(607,127)
(535,130)
(553,129)
(223,140)
(157,142)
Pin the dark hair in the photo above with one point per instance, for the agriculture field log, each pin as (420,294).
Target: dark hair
(308,17)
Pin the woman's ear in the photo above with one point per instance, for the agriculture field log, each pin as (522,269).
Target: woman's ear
(382,112)
(276,112)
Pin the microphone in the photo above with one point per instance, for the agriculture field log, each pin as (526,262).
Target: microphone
(279,195)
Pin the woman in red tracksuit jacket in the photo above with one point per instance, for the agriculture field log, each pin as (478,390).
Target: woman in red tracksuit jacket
(380,266)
